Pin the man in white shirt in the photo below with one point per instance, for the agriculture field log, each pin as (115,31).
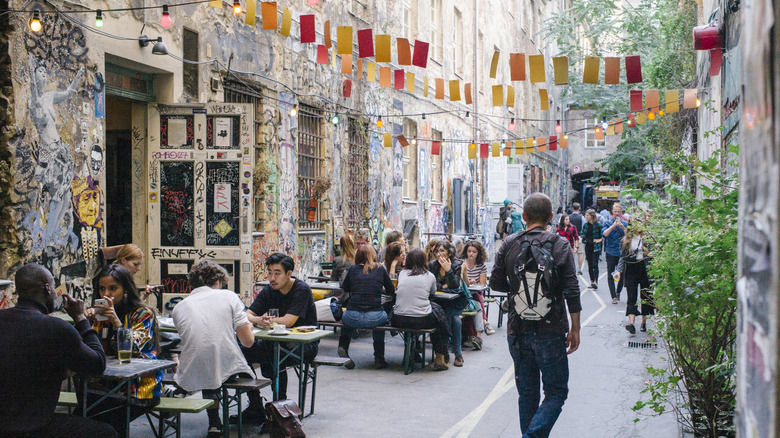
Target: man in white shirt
(208,321)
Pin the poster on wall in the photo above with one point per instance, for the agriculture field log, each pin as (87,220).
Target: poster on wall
(222,203)
(177,131)
(223,132)
(497,180)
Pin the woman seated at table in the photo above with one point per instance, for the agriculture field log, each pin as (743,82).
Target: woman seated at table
(414,309)
(395,256)
(364,284)
(125,309)
(474,273)
(446,268)
(342,263)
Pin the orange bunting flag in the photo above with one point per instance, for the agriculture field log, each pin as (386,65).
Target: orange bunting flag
(388,140)
(251,6)
(216,4)
(286,22)
(383,43)
(498,95)
(404,52)
(618,125)
(561,70)
(690,96)
(328,40)
(651,100)
(564,142)
(590,74)
(542,143)
(344,40)
(495,149)
(544,100)
(410,82)
(439,88)
(467,93)
(510,96)
(612,70)
(508,150)
(672,99)
(346,64)
(402,140)
(425,86)
(360,69)
(517,66)
(385,76)
(454,90)
(494,65)
(598,133)
(472,151)
(371,72)
(536,66)
(268,12)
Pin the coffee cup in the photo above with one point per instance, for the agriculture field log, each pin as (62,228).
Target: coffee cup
(279,328)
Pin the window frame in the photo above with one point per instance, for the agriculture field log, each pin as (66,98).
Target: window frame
(358,189)
(590,138)
(309,151)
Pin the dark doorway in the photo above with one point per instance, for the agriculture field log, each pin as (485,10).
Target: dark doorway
(119,188)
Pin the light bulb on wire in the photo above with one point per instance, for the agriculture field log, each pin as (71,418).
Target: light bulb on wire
(566,136)
(467,113)
(165,20)
(236,7)
(294,112)
(379,123)
(335,119)
(503,144)
(558,128)
(660,112)
(512,124)
(604,124)
(35,22)
(651,116)
(423,116)
(99,18)
(698,102)
(414,141)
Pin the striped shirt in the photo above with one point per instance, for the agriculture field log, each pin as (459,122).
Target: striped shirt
(474,274)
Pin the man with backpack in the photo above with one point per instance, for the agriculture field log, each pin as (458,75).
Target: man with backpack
(537,270)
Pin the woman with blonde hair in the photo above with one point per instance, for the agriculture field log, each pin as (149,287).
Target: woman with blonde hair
(342,263)
(131,258)
(634,255)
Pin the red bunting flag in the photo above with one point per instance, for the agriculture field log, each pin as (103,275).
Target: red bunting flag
(308,33)
(365,43)
(636,100)
(633,69)
(403,141)
(436,148)
(716,58)
(347,88)
(631,120)
(322,54)
(484,150)
(399,79)
(420,58)
(553,142)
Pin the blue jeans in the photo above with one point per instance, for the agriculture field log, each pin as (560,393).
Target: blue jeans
(453,318)
(535,353)
(354,319)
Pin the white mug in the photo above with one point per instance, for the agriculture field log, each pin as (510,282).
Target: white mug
(279,328)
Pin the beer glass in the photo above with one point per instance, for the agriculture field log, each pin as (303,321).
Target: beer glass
(124,344)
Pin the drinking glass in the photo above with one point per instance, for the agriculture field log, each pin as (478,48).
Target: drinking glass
(273,314)
(124,344)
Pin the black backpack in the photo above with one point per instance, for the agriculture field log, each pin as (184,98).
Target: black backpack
(537,279)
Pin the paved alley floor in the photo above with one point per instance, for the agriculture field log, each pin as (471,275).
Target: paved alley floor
(480,399)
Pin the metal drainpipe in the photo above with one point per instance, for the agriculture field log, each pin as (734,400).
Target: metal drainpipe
(476,112)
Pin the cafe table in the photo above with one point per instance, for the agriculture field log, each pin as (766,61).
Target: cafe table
(123,374)
(290,346)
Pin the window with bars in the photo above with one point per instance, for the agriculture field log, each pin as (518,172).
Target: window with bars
(241,93)
(591,142)
(410,161)
(436,171)
(436,29)
(310,160)
(358,172)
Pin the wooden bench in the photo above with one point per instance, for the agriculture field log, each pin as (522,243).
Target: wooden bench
(167,412)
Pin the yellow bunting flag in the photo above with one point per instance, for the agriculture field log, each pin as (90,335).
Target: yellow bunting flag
(641,118)
(388,140)
(425,86)
(598,133)
(467,93)
(672,98)
(328,40)
(251,6)
(510,96)
(360,69)
(383,43)
(495,149)
(618,125)
(590,74)
(410,82)
(536,66)
(371,72)
(344,40)
(498,95)
(561,70)
(494,65)
(286,22)
(610,129)
(689,98)
(472,151)
(454,90)
(611,70)
(346,64)
(542,143)
(564,142)
(519,148)
(544,100)
(268,12)
(216,4)
(529,144)
(439,88)
(385,76)
(651,100)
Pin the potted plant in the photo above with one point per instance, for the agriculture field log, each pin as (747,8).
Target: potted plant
(319,190)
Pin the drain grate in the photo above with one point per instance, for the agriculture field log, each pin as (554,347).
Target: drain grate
(632,344)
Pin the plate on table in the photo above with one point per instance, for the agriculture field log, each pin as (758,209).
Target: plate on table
(306,328)
(273,333)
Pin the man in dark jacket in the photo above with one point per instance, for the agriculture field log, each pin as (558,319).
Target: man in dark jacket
(539,346)
(39,351)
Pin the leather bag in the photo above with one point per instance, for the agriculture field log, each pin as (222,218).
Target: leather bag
(283,419)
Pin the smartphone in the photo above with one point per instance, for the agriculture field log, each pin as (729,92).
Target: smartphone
(99,312)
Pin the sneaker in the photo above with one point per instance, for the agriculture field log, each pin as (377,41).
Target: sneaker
(458,360)
(173,391)
(468,343)
(593,286)
(614,300)
(579,272)
(643,327)
(215,431)
(476,343)
(489,330)
(251,415)
(343,353)
(631,329)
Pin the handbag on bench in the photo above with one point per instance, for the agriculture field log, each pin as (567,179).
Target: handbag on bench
(283,419)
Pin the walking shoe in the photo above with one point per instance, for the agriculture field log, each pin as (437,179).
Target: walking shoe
(467,343)
(343,353)
(458,360)
(579,272)
(215,430)
(631,329)
(614,300)
(476,343)
(379,364)
(643,327)
(489,330)
(251,415)
(593,286)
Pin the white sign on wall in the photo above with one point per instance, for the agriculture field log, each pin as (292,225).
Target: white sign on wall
(222,198)
(496,180)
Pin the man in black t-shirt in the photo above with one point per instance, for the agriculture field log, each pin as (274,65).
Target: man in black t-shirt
(295,302)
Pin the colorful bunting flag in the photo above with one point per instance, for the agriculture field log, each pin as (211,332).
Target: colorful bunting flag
(344,40)
(544,100)
(322,54)
(385,77)
(402,140)
(286,22)
(564,142)
(517,66)
(636,100)
(510,96)
(425,86)
(308,29)
(468,95)
(404,52)
(519,149)
(360,69)
(598,133)
(472,151)
(553,143)
(610,129)
(498,95)
(454,90)
(371,71)
(268,13)
(383,43)
(346,89)
(346,64)
(612,70)
(633,69)
(536,66)
(590,74)
(216,4)
(365,43)
(541,142)
(690,96)
(561,70)
(251,6)
(484,150)
(618,125)
(420,58)
(494,65)
(439,88)
(328,40)
(641,118)
(672,99)
(388,140)
(436,148)
(495,149)
(400,75)
(651,100)
(716,58)
(410,82)
(508,150)
(529,144)
(631,120)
